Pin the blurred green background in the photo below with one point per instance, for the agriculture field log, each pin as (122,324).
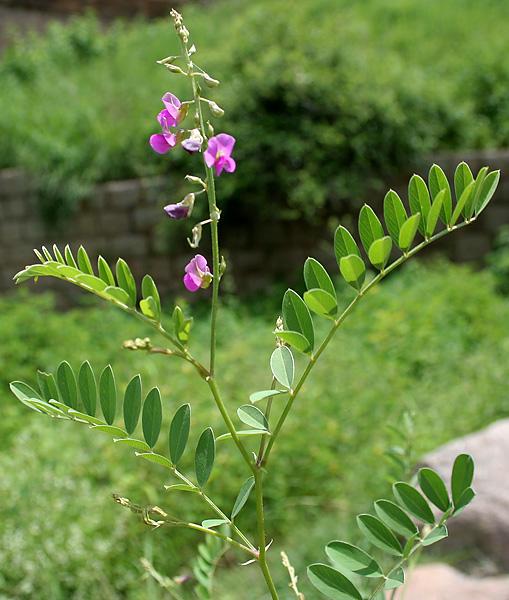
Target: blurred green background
(327,99)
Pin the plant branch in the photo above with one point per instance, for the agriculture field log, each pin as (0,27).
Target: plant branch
(314,357)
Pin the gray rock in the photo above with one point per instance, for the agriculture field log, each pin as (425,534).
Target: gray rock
(441,582)
(484,524)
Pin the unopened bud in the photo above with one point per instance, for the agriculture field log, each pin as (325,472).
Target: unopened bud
(215,109)
(196,180)
(210,81)
(192,50)
(168,60)
(175,69)
(222,266)
(210,129)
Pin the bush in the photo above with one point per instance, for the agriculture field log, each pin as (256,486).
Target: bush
(372,86)
(446,321)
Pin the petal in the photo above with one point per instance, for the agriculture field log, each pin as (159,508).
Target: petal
(191,267)
(172,104)
(201,263)
(225,143)
(171,139)
(191,145)
(192,282)
(177,211)
(210,153)
(229,164)
(159,144)
(166,120)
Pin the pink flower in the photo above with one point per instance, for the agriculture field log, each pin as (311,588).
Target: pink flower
(218,153)
(168,117)
(198,274)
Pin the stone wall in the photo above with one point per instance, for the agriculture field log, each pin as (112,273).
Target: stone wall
(120,219)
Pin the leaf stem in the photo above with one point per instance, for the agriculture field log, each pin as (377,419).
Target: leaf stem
(314,358)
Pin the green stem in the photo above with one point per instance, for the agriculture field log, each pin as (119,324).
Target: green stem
(262,542)
(215,533)
(263,441)
(313,359)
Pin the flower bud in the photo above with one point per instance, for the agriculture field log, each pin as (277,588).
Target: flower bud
(192,50)
(196,180)
(168,60)
(215,109)
(193,142)
(210,81)
(210,129)
(175,69)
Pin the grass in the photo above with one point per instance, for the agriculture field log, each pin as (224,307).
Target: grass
(429,339)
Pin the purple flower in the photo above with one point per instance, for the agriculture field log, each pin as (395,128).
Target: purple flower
(182,209)
(198,274)
(218,153)
(168,117)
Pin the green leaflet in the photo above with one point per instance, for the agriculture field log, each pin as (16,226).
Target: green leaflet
(395,518)
(179,432)
(353,270)
(462,202)
(132,404)
(413,501)
(437,182)
(88,388)
(380,252)
(204,456)
(149,289)
(296,316)
(344,244)
(321,302)
(47,386)
(252,416)
(332,583)
(379,534)
(264,394)
(434,213)
(370,228)
(419,200)
(316,276)
(84,263)
(67,385)
(243,496)
(350,558)
(108,394)
(295,339)
(282,366)
(126,280)
(436,535)
(434,488)
(408,232)
(395,579)
(152,417)
(488,188)
(105,272)
(462,179)
(462,476)
(394,214)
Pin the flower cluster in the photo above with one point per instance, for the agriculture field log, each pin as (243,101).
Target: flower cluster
(217,156)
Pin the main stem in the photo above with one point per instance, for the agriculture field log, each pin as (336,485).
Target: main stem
(260,518)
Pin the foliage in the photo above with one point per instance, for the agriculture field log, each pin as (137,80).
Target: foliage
(318,122)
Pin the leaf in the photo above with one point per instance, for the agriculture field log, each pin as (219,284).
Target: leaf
(133,443)
(282,366)
(344,244)
(158,459)
(109,429)
(84,263)
(149,308)
(108,394)
(321,302)
(332,583)
(204,456)
(395,518)
(379,534)
(353,270)
(149,288)
(90,281)
(462,476)
(316,276)
(462,202)
(88,388)
(394,214)
(118,294)
(370,228)
(295,339)
(413,501)
(179,432)
(126,280)
(462,179)
(152,417)
(182,326)
(437,182)
(243,433)
(69,258)
(24,393)
(434,488)
(419,200)
(67,385)
(252,416)
(408,232)
(380,251)
(434,213)
(181,487)
(395,579)
(472,202)
(211,523)
(464,500)
(436,535)
(47,385)
(349,557)
(58,254)
(296,316)
(263,394)
(105,272)
(132,404)
(488,188)
(243,496)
